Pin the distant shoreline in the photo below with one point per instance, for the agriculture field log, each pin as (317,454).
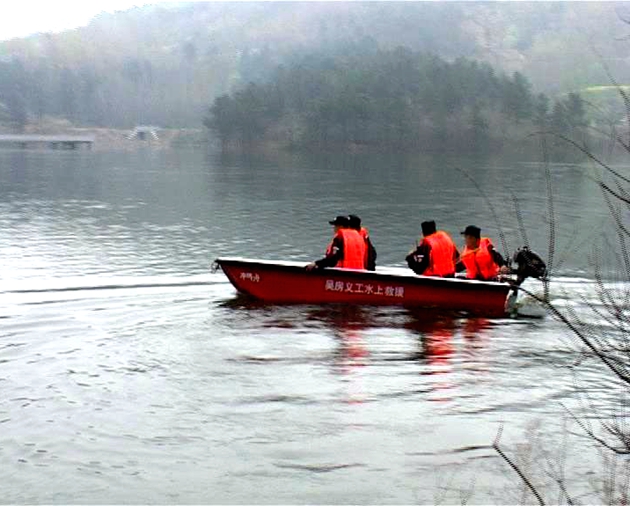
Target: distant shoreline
(529,146)
(117,139)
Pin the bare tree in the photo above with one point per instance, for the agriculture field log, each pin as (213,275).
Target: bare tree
(608,344)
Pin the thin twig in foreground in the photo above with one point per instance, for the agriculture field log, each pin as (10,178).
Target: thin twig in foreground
(517,470)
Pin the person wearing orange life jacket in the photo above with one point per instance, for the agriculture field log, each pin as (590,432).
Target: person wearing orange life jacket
(347,249)
(436,254)
(370,251)
(479,259)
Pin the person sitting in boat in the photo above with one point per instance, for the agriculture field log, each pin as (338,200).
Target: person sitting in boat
(479,259)
(347,249)
(436,254)
(370,251)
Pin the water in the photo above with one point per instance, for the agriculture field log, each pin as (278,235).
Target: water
(130,373)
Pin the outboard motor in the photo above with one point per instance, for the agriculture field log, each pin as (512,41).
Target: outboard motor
(529,265)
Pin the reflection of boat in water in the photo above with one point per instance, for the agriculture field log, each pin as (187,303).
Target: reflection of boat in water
(436,337)
(447,345)
(367,348)
(289,283)
(348,325)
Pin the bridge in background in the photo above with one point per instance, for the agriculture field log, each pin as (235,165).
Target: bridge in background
(50,141)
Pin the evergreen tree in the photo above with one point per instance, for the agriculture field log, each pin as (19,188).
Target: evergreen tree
(559,122)
(13,86)
(396,98)
(517,97)
(541,111)
(480,129)
(575,111)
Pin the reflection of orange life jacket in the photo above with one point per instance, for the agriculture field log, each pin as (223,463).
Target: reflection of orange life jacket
(441,257)
(354,249)
(479,262)
(439,346)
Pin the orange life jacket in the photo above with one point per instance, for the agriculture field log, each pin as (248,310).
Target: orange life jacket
(354,249)
(442,255)
(479,262)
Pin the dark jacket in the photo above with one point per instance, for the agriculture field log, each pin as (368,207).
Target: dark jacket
(334,254)
(371,255)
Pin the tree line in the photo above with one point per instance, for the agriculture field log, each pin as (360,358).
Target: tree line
(397,98)
(164,64)
(117,94)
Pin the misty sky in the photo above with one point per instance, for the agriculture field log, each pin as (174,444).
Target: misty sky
(24,17)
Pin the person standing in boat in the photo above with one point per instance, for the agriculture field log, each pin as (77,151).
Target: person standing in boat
(436,254)
(480,259)
(347,249)
(370,250)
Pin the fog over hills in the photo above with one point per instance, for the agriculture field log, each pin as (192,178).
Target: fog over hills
(164,64)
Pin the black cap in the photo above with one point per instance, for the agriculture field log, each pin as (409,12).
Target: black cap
(428,227)
(354,221)
(472,231)
(341,221)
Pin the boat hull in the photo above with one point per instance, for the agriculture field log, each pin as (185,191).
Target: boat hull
(290,283)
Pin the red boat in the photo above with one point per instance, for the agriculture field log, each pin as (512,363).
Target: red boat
(289,283)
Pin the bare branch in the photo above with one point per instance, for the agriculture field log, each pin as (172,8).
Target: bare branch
(590,433)
(585,152)
(585,340)
(517,470)
(608,190)
(620,90)
(519,218)
(621,230)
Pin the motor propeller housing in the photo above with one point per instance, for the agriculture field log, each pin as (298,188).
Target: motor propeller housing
(529,265)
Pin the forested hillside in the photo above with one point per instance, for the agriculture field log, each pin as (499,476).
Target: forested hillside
(387,99)
(165,64)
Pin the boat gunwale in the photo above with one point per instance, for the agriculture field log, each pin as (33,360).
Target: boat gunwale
(298,267)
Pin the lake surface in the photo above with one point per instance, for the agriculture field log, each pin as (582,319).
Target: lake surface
(130,373)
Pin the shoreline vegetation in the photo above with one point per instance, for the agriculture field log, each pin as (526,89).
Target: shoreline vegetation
(384,77)
(400,100)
